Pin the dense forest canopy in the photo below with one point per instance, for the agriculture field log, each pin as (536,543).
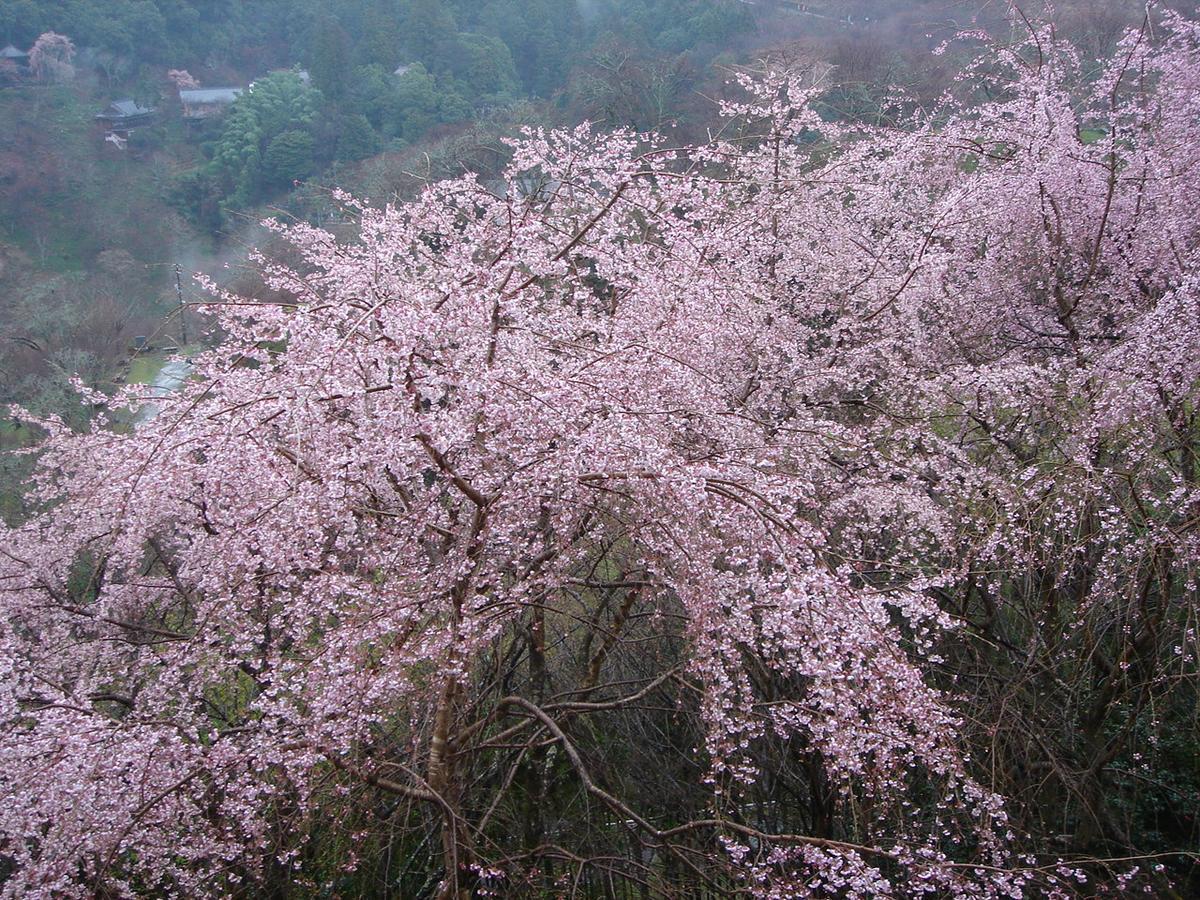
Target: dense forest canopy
(542,35)
(342,93)
(677,449)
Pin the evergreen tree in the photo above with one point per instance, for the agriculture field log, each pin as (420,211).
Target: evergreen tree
(429,27)
(356,138)
(329,58)
(288,158)
(279,103)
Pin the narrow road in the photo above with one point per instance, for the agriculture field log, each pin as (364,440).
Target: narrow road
(169,379)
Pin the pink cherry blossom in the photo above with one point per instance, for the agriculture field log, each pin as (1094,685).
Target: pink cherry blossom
(744,413)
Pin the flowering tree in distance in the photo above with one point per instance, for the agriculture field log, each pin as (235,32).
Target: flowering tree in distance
(50,57)
(675,516)
(182,79)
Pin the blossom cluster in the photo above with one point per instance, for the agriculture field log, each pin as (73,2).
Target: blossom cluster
(807,395)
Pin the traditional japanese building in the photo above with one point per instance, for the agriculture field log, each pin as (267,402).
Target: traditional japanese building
(206,103)
(124,115)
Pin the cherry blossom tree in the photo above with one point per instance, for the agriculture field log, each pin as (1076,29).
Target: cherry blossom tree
(182,79)
(672,514)
(50,57)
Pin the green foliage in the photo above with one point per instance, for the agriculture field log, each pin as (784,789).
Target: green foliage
(381,39)
(420,101)
(474,54)
(717,24)
(484,65)
(238,153)
(370,92)
(196,195)
(543,36)
(429,29)
(279,103)
(289,158)
(150,30)
(329,58)
(357,139)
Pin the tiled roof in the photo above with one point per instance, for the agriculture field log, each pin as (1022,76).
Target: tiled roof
(129,108)
(211,95)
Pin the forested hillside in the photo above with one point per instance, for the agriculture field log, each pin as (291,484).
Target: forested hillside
(90,232)
(610,449)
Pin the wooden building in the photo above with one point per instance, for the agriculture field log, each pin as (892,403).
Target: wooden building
(125,115)
(206,103)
